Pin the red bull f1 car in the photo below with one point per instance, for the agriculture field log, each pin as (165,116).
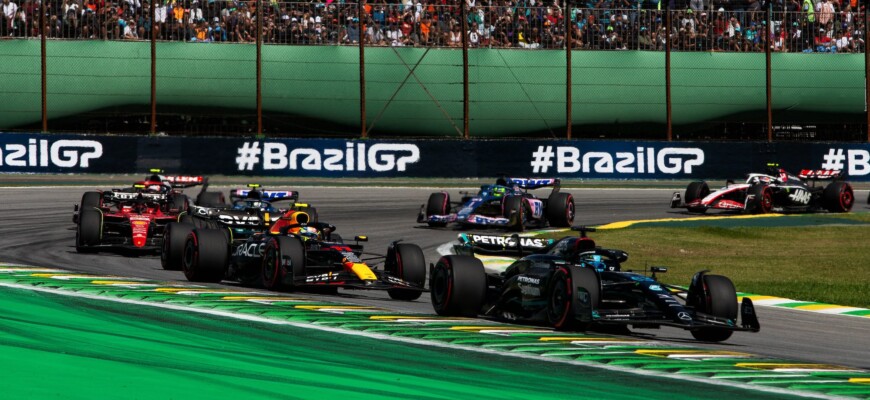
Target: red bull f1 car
(131,218)
(776,190)
(572,284)
(296,253)
(507,204)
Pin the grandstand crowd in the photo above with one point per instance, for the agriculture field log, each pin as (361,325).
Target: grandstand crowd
(696,25)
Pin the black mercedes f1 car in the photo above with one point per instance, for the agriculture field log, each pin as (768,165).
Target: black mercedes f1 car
(572,284)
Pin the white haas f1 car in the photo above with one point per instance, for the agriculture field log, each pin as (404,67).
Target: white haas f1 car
(774,191)
(507,204)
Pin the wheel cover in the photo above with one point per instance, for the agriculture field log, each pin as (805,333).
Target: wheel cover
(846,199)
(441,288)
(190,256)
(570,212)
(560,300)
(270,266)
(766,201)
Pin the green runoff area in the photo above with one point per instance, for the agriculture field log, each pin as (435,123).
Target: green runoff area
(814,257)
(56,346)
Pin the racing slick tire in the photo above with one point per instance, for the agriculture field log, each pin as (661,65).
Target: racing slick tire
(564,300)
(179,203)
(89,230)
(838,197)
(720,300)
(696,190)
(174,240)
(437,204)
(457,286)
(211,199)
(560,210)
(91,200)
(762,203)
(409,265)
(512,209)
(277,275)
(206,254)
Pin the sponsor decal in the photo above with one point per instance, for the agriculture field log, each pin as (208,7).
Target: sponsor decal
(656,288)
(266,194)
(800,196)
(532,183)
(645,160)
(508,241)
(684,316)
(249,250)
(527,279)
(239,219)
(64,153)
(355,156)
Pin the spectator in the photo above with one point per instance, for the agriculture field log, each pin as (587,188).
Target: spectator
(10,10)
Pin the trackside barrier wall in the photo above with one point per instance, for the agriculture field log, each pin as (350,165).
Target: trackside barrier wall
(570,159)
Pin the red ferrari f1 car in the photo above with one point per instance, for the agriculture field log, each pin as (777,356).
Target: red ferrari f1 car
(131,218)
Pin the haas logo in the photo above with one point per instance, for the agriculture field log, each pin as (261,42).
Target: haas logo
(800,196)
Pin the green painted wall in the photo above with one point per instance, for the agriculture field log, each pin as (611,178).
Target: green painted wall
(419,91)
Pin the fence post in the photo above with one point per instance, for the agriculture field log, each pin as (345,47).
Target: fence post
(668,68)
(464,16)
(259,68)
(44,71)
(767,68)
(362,71)
(153,70)
(569,39)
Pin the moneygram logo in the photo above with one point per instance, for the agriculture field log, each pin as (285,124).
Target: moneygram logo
(45,153)
(379,157)
(646,160)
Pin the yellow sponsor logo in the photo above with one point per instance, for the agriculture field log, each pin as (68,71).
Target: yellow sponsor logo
(363,272)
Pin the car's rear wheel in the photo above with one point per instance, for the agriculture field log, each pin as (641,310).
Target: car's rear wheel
(283,262)
(438,204)
(512,209)
(174,240)
(178,203)
(409,265)
(560,210)
(762,202)
(838,197)
(695,191)
(719,299)
(89,230)
(458,286)
(570,290)
(206,253)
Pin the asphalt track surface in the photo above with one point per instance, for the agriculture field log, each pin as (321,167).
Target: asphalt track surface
(37,229)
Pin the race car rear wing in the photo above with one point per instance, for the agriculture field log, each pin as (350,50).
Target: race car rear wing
(176,181)
(183,181)
(820,174)
(471,243)
(270,195)
(530,183)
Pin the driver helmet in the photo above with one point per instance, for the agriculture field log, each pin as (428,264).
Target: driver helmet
(306,232)
(596,262)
